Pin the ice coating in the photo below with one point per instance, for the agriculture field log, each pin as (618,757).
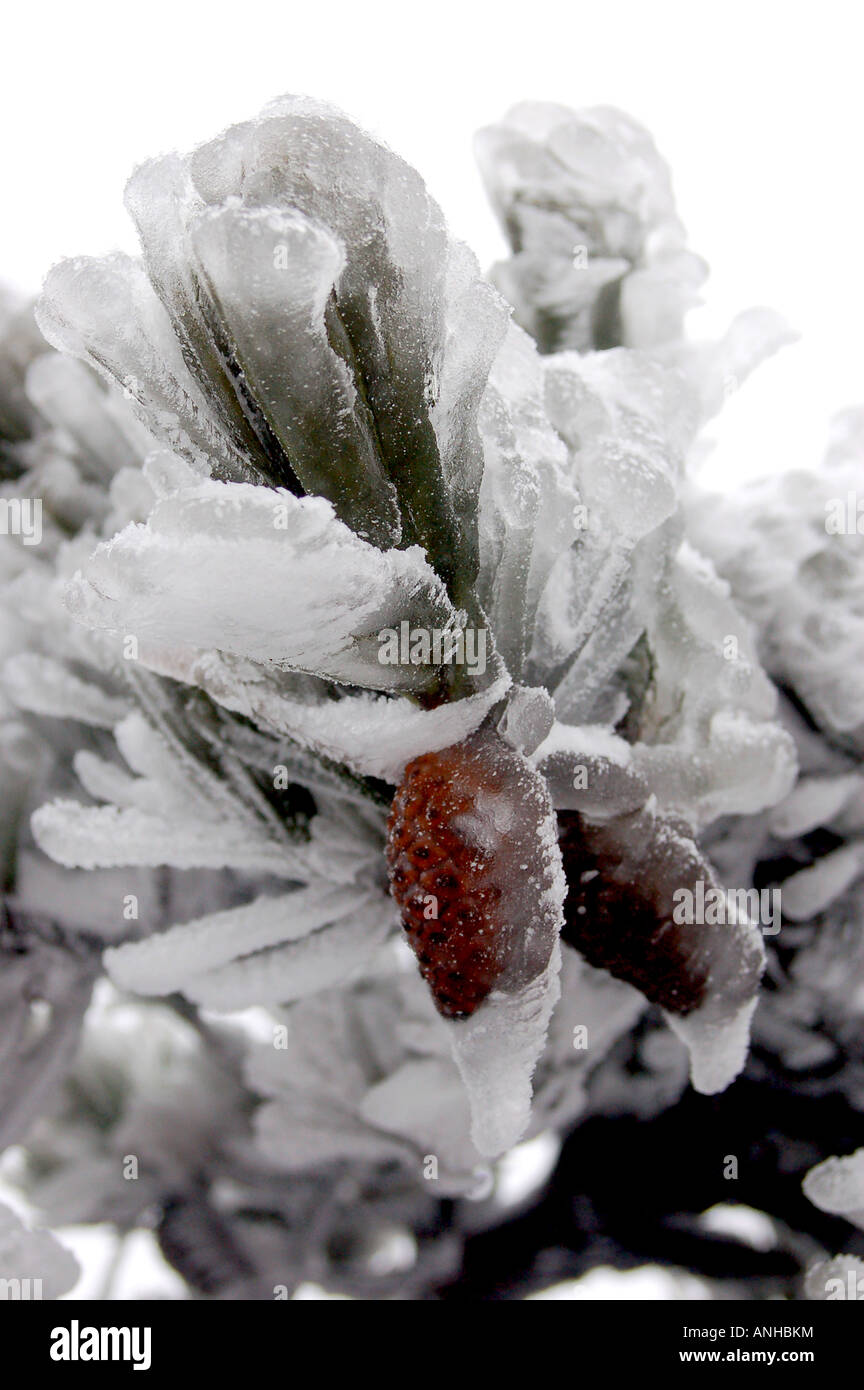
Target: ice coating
(310,401)
(627,423)
(107,313)
(64,437)
(528,499)
(706,735)
(691,697)
(591,770)
(634,625)
(837,1186)
(528,718)
(175,812)
(497,1050)
(73,400)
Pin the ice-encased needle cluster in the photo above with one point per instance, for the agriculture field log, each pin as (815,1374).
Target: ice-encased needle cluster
(300,419)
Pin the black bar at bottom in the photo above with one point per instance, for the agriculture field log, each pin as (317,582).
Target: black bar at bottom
(63,1339)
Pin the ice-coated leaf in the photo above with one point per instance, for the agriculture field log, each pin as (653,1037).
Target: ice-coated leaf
(813,889)
(164,962)
(528,718)
(106,313)
(34,1256)
(706,738)
(405,298)
(185,769)
(424,1100)
(476,326)
(86,900)
(223,565)
(40,964)
(365,1073)
(105,836)
(655,299)
(24,761)
(330,956)
(729,764)
(163,203)
(840,1278)
(546,162)
(796,566)
(586,203)
(69,500)
(45,686)
(271,277)
(591,770)
(590,620)
(302,318)
(105,781)
(310,1130)
(528,502)
(562,305)
(373,735)
(815,801)
(837,1186)
(716,369)
(628,422)
(20,343)
(334,1045)
(75,401)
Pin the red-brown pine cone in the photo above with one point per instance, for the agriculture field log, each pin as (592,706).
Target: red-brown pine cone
(466,897)
(619,905)
(434,869)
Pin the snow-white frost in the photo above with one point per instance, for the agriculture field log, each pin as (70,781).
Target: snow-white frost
(222,566)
